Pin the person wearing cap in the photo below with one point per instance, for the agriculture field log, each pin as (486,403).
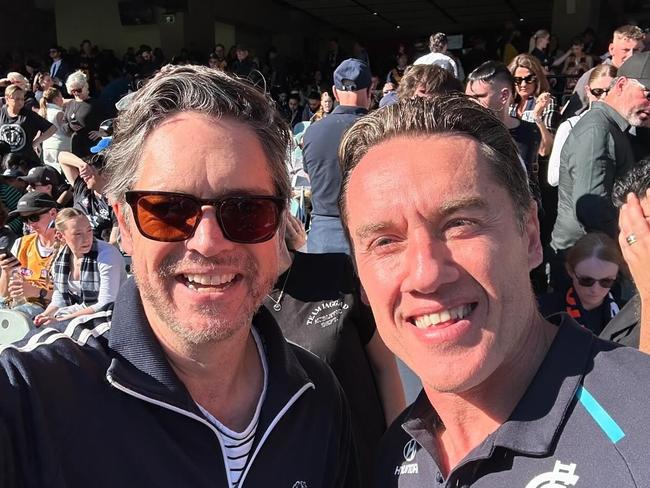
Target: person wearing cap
(352,80)
(46,179)
(596,153)
(25,271)
(87,190)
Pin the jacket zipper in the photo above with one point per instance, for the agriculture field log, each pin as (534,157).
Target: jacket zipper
(277,418)
(167,406)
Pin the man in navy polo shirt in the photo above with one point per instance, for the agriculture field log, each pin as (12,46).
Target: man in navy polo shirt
(445,232)
(351,89)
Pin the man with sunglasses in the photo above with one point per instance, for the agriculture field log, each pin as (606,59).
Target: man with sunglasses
(25,283)
(596,153)
(182,382)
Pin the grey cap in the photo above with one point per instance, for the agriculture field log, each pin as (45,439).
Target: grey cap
(638,68)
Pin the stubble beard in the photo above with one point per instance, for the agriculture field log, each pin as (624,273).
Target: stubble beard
(219,323)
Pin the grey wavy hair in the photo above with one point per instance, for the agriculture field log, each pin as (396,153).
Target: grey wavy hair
(193,89)
(77,81)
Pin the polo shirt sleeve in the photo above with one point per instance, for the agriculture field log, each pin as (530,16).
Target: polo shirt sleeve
(593,180)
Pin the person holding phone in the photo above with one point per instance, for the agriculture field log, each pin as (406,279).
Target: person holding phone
(25,283)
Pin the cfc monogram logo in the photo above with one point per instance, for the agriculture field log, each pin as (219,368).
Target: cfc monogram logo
(561,477)
(300,484)
(410,449)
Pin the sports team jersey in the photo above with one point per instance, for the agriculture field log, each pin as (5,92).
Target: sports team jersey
(584,422)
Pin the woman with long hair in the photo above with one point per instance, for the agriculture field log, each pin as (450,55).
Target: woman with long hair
(533,101)
(593,264)
(87,273)
(51,108)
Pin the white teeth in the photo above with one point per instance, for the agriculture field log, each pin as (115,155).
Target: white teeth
(434,319)
(208,280)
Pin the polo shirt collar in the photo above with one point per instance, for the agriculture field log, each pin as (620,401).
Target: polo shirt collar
(612,114)
(141,365)
(536,420)
(349,109)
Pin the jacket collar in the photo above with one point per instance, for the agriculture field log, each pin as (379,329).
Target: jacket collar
(612,114)
(536,422)
(139,362)
(349,109)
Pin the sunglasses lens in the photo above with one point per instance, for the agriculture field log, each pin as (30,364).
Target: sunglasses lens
(249,219)
(166,218)
(589,282)
(597,92)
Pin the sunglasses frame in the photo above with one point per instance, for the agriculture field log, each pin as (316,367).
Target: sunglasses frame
(132,197)
(583,280)
(30,218)
(605,91)
(530,79)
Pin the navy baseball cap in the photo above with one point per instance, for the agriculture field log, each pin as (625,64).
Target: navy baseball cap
(638,68)
(33,202)
(352,75)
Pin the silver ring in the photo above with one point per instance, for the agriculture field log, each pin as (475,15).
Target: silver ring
(631,239)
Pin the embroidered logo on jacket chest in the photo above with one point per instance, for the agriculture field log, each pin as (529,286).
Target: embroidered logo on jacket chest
(326,314)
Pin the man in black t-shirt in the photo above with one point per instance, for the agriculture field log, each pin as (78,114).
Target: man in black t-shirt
(492,85)
(87,186)
(19,126)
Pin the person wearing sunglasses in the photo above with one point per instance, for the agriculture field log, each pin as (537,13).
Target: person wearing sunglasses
(87,273)
(185,363)
(25,283)
(593,264)
(82,115)
(533,101)
(597,152)
(597,87)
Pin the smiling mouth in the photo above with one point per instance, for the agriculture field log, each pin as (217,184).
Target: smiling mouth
(208,283)
(443,317)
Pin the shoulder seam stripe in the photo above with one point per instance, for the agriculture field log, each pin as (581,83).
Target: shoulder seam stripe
(47,337)
(606,423)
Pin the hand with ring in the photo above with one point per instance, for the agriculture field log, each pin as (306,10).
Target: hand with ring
(634,239)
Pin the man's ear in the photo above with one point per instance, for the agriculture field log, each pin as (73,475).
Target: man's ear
(532,233)
(126,240)
(335,93)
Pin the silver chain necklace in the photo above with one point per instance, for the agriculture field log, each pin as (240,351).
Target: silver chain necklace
(277,306)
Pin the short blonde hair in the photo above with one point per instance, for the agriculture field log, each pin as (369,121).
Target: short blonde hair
(632,32)
(11,89)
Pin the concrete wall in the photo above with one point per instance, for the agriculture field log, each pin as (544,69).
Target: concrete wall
(572,17)
(255,23)
(99,21)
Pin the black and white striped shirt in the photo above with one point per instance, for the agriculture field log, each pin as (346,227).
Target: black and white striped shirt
(237,445)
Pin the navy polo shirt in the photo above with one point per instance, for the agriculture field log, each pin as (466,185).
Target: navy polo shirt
(321,157)
(584,422)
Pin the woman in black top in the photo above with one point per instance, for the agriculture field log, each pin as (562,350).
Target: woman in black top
(82,115)
(593,264)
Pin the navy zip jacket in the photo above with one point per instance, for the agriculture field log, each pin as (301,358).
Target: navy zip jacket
(98,405)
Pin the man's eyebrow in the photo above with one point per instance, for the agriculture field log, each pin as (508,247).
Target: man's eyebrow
(470,203)
(367,230)
(448,208)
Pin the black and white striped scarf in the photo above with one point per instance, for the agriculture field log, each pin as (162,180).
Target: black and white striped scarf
(89,276)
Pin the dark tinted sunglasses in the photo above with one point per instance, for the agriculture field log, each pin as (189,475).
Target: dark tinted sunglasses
(598,92)
(173,217)
(588,282)
(33,217)
(528,79)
